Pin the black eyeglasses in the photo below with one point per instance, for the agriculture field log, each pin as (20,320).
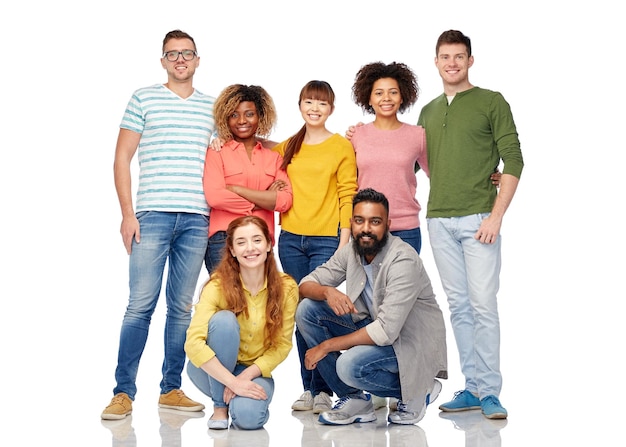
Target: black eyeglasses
(172,56)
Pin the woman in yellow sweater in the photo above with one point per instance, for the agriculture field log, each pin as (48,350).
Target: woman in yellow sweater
(242,327)
(321,166)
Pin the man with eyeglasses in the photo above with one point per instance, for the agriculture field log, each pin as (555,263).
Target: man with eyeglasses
(169,127)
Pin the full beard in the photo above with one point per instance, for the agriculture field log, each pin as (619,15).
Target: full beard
(370,250)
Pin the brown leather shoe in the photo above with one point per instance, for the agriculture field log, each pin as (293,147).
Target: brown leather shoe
(120,407)
(177,400)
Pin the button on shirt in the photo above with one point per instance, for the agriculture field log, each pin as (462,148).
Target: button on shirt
(252,348)
(232,166)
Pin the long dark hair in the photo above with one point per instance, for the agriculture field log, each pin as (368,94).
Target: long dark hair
(318,90)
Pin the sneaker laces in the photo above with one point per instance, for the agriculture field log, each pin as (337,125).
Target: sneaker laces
(118,399)
(458,394)
(492,400)
(180,393)
(341,402)
(402,407)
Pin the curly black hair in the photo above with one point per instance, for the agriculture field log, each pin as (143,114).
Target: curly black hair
(370,73)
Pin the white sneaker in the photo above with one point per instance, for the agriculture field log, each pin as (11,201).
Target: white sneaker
(349,410)
(321,403)
(378,402)
(411,412)
(304,402)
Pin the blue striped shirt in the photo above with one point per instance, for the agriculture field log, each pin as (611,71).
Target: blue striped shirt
(175,134)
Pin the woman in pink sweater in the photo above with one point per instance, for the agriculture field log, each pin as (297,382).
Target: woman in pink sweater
(389,152)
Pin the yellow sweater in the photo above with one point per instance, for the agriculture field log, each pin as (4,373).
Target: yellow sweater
(252,335)
(323,180)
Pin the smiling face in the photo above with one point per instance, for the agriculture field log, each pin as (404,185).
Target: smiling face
(370,224)
(386,97)
(250,246)
(453,64)
(315,112)
(244,121)
(180,70)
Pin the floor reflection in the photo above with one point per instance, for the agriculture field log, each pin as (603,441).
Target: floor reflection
(122,432)
(239,438)
(378,433)
(171,422)
(479,431)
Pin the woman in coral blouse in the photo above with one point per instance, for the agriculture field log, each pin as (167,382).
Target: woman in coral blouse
(243,178)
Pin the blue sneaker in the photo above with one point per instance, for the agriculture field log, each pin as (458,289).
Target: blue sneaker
(462,401)
(492,408)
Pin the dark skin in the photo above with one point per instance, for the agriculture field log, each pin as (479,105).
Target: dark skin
(367,218)
(243,123)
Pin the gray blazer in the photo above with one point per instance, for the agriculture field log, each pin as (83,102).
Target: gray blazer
(406,313)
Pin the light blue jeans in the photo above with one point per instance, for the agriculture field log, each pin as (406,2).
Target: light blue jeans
(361,368)
(181,240)
(223,338)
(300,255)
(470,272)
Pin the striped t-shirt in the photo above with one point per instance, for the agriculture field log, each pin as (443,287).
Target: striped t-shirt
(175,134)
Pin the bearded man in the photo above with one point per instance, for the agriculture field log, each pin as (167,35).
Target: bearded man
(386,335)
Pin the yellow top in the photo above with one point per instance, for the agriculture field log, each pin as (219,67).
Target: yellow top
(323,180)
(252,329)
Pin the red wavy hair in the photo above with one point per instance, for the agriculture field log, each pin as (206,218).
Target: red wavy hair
(228,274)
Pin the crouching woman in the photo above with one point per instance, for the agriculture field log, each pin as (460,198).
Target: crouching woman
(242,328)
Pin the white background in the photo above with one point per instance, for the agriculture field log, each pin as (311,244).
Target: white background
(69,68)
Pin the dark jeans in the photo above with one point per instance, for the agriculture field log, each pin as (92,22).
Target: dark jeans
(300,255)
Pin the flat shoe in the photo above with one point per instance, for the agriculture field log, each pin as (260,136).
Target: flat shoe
(218,424)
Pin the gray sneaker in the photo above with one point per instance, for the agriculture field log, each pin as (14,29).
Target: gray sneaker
(304,402)
(349,410)
(411,413)
(321,403)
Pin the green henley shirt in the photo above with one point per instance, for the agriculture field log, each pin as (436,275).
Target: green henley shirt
(466,140)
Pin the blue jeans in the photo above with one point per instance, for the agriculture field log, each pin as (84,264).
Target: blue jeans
(469,272)
(300,255)
(413,237)
(318,322)
(215,250)
(224,338)
(180,239)
(371,368)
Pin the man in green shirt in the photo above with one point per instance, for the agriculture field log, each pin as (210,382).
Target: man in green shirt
(469,130)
